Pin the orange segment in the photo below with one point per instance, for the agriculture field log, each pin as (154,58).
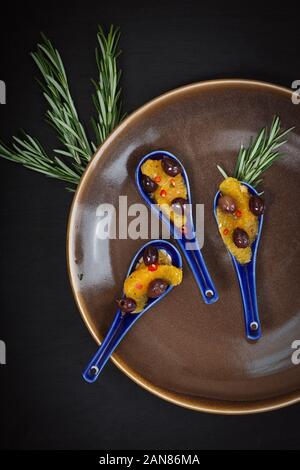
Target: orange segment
(136,285)
(244,219)
(169,188)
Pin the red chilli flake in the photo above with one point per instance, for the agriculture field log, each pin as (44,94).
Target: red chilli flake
(157,179)
(238,213)
(163,193)
(172,183)
(139,286)
(226,231)
(152,267)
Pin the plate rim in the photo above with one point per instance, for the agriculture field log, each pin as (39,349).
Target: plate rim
(203,404)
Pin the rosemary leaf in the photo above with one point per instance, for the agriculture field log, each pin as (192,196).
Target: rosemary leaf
(223,173)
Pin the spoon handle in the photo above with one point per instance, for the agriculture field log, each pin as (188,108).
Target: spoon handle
(118,329)
(247,281)
(198,266)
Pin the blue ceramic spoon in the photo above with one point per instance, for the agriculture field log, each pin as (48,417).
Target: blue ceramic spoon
(123,322)
(193,256)
(247,278)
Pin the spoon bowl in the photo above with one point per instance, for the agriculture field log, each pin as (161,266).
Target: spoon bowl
(246,274)
(188,240)
(124,321)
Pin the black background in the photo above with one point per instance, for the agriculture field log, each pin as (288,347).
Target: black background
(44,403)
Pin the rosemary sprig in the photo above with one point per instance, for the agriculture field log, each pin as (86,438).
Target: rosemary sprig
(63,116)
(30,153)
(260,155)
(107,91)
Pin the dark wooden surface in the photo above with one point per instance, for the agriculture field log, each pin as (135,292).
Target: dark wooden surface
(43,401)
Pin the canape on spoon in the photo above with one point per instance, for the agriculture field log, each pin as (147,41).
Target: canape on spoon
(163,184)
(242,245)
(155,269)
(239,209)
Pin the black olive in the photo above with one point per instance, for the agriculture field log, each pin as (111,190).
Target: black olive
(156,288)
(256,205)
(148,184)
(170,166)
(150,255)
(227,204)
(127,305)
(241,238)
(179,205)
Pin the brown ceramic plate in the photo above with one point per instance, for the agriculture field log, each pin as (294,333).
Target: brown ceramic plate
(183,350)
